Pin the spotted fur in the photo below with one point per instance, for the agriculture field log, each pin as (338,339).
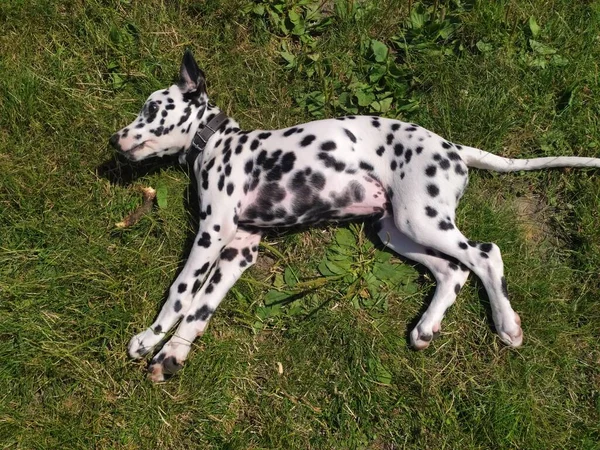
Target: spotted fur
(406,178)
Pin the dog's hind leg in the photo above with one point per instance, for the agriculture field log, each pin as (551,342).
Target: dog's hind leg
(234,259)
(440,233)
(448,272)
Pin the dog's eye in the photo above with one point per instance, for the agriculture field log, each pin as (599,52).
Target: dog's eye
(153,108)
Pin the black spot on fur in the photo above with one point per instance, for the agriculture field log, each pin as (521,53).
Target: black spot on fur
(484,255)
(350,135)
(177,305)
(290,131)
(445,225)
(504,287)
(230,188)
(358,191)
(380,150)
(445,164)
(446,145)
(456,288)
(328,146)
(317,180)
(393,165)
(307,140)
(255,144)
(204,240)
(430,171)
(463,245)
(229,253)
(246,254)
(330,161)
(453,156)
(398,149)
(287,162)
(485,247)
(264,135)
(202,270)
(366,166)
(433,190)
(196,286)
(181,288)
(431,212)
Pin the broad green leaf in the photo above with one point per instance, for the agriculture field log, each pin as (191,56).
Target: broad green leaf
(484,47)
(541,49)
(417,18)
(364,98)
(324,270)
(380,372)
(534,27)
(294,17)
(291,59)
(273,297)
(380,50)
(382,256)
(278,281)
(289,277)
(343,236)
(559,61)
(385,104)
(336,268)
(377,72)
(259,10)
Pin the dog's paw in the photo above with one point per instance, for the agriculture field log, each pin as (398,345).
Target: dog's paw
(141,344)
(510,332)
(162,367)
(422,335)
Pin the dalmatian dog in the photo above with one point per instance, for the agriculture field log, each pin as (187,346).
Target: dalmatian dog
(406,178)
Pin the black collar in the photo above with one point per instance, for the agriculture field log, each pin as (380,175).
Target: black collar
(203,135)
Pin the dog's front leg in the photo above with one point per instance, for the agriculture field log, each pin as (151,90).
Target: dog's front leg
(211,239)
(233,260)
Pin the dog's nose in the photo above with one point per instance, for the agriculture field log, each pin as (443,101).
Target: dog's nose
(114,141)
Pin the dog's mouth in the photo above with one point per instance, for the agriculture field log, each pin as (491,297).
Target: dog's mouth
(134,152)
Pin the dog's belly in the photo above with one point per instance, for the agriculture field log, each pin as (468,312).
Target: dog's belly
(306,197)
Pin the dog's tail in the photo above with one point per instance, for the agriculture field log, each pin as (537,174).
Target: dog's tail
(480,159)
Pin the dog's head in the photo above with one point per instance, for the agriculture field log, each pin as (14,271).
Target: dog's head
(169,118)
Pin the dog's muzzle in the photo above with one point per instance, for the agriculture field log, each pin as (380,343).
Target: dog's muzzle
(114,141)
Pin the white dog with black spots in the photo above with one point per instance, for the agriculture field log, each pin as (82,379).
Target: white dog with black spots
(405,177)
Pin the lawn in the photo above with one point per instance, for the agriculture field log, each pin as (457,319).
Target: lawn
(310,349)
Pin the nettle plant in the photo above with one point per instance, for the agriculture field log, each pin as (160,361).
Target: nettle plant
(360,273)
(376,78)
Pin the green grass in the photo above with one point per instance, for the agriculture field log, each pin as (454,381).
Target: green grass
(74,289)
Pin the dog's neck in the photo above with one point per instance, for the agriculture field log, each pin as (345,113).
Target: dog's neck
(214,124)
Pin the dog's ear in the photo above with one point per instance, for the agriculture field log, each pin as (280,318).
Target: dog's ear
(191,78)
